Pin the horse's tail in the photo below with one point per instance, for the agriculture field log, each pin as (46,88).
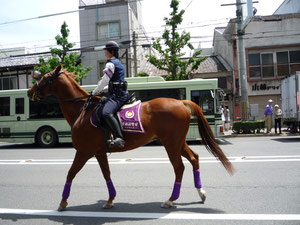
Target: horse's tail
(207,136)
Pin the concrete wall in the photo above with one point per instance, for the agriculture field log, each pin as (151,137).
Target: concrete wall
(273,31)
(223,48)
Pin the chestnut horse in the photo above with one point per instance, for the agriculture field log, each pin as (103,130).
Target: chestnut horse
(164,119)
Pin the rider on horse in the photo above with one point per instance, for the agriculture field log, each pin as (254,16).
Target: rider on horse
(114,77)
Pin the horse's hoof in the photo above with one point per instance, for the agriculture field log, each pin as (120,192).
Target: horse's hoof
(61,208)
(202,194)
(108,205)
(167,204)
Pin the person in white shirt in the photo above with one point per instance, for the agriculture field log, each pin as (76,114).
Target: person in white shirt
(278,116)
(114,78)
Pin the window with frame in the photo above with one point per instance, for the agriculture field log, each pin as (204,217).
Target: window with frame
(283,67)
(205,99)
(109,30)
(254,65)
(4,106)
(19,106)
(288,62)
(261,65)
(294,61)
(101,68)
(267,65)
(8,83)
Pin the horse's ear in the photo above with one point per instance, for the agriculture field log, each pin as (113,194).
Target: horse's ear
(57,69)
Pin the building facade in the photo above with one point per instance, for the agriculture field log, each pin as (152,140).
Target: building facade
(103,21)
(16,67)
(272,51)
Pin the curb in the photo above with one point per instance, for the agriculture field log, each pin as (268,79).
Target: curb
(258,135)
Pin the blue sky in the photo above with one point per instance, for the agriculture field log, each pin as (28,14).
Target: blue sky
(38,34)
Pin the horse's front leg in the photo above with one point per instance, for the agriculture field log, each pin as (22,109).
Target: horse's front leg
(78,163)
(103,163)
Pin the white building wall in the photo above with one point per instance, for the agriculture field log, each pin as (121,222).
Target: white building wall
(265,32)
(223,47)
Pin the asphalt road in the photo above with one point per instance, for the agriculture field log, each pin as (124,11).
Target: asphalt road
(264,190)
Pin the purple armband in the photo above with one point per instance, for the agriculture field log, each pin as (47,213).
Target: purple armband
(197,180)
(66,191)
(176,191)
(108,72)
(111,189)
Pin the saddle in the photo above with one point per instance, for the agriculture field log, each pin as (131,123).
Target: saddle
(128,115)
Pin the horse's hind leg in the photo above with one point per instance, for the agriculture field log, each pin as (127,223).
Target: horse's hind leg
(193,158)
(103,163)
(176,161)
(78,163)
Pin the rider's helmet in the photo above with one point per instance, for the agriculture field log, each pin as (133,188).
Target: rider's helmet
(112,45)
(113,48)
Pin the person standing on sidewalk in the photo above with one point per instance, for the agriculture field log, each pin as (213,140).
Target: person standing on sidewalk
(268,115)
(227,118)
(278,116)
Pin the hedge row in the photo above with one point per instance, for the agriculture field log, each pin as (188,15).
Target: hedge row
(248,127)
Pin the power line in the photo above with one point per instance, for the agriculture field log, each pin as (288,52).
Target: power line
(54,14)
(39,17)
(188,5)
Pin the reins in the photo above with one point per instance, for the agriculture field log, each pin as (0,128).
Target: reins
(75,99)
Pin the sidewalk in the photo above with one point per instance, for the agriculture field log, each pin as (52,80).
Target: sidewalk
(229,134)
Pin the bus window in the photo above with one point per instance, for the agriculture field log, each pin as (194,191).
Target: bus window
(47,107)
(19,105)
(4,106)
(205,99)
(146,95)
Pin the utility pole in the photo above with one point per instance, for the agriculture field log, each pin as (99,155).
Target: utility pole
(134,52)
(242,60)
(241,26)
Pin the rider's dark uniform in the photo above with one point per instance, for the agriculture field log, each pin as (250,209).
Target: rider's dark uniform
(114,77)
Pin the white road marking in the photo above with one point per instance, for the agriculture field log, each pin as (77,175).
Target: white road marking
(174,216)
(132,161)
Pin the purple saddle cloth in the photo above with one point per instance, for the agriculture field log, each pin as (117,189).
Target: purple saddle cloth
(129,117)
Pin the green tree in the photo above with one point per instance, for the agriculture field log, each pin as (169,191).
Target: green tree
(59,56)
(170,56)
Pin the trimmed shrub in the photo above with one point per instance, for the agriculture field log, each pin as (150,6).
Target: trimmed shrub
(248,127)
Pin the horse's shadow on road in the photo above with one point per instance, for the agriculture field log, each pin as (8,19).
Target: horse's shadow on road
(150,207)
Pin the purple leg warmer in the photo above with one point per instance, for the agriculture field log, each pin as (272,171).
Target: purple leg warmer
(111,189)
(197,180)
(176,191)
(66,191)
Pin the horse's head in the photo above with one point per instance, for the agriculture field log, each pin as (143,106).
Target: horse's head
(42,86)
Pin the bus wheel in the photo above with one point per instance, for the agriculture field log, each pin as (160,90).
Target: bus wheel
(46,137)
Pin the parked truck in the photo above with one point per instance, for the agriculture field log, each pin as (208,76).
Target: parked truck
(290,87)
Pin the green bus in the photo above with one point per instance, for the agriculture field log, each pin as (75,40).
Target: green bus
(24,121)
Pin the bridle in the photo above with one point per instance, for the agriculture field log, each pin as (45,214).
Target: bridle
(52,76)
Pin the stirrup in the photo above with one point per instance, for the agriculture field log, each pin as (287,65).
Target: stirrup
(118,142)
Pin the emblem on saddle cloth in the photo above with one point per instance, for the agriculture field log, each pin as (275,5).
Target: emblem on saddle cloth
(130,117)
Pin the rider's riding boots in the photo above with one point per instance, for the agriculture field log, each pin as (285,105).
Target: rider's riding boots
(114,126)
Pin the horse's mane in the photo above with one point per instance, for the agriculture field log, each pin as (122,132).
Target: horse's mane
(71,76)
